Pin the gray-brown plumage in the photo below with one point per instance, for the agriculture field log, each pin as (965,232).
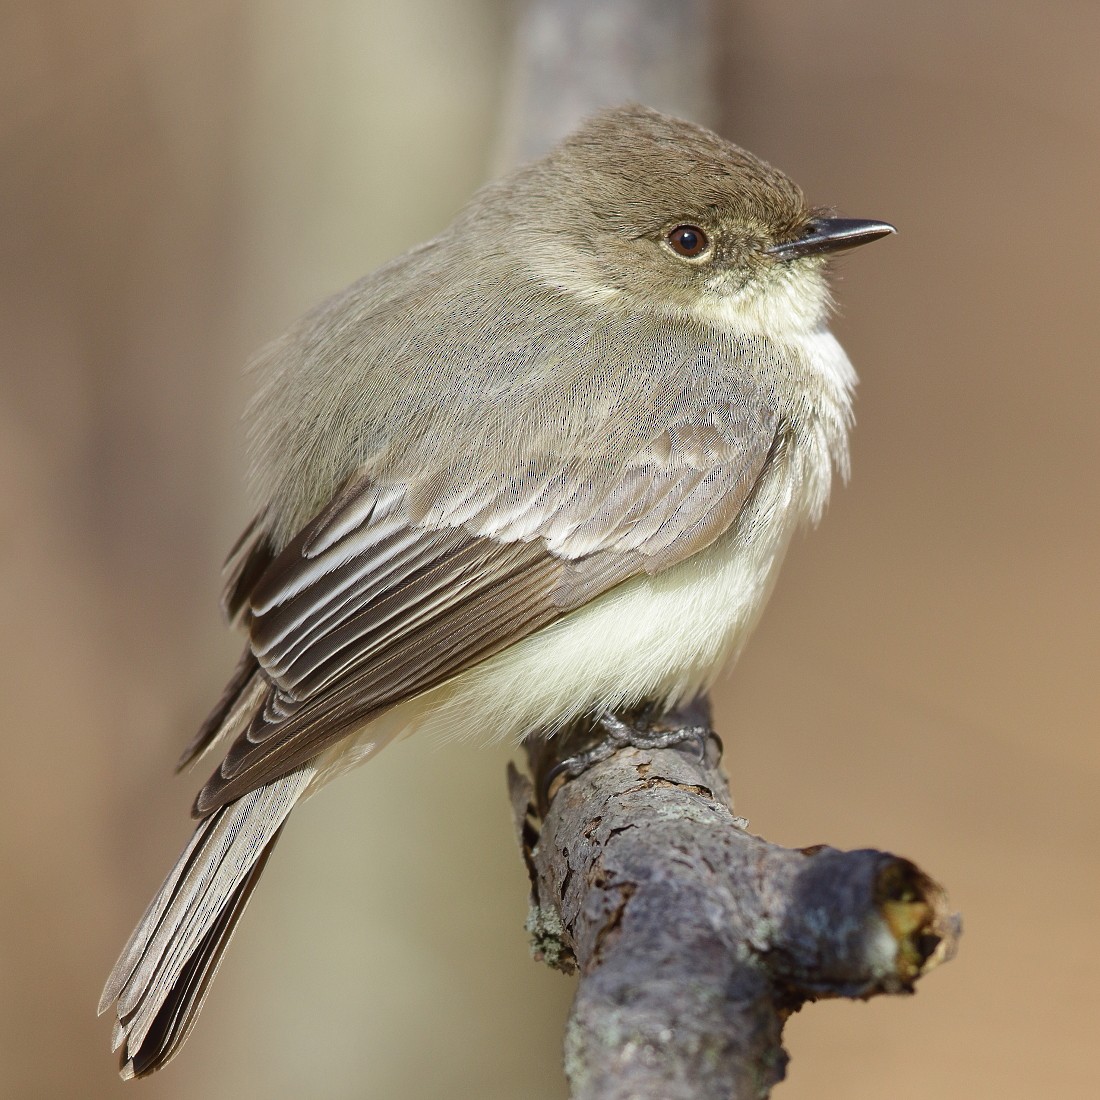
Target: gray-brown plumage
(487,470)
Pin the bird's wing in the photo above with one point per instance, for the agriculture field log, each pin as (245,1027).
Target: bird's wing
(393,589)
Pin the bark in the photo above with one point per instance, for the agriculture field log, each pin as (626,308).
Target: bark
(695,940)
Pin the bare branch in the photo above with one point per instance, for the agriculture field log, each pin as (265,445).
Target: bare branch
(694,939)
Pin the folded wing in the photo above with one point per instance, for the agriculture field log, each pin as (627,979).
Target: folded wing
(395,588)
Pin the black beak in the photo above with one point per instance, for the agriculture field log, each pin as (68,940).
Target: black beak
(831,235)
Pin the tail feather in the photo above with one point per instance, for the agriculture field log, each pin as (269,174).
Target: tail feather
(173,1022)
(161,979)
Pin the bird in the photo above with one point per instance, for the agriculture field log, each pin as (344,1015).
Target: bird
(542,467)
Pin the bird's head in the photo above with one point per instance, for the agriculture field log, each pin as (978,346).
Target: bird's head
(650,212)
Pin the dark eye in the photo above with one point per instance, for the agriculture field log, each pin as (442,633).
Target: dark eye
(687,240)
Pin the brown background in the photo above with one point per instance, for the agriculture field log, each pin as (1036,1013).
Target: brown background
(179,180)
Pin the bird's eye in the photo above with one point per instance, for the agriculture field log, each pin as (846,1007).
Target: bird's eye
(687,240)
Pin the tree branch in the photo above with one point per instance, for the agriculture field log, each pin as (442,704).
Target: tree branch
(694,939)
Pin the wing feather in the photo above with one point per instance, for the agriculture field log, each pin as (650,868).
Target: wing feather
(247,562)
(395,588)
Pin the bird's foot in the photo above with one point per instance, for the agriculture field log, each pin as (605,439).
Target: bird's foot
(650,733)
(646,732)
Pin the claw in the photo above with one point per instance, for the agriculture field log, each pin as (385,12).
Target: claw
(621,735)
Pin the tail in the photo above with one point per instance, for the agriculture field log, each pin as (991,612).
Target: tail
(161,979)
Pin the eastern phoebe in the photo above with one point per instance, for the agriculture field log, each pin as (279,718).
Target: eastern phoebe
(543,466)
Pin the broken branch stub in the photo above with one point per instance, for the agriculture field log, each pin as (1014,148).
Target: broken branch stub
(694,939)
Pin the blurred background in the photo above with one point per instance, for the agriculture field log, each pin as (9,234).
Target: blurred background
(180,180)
